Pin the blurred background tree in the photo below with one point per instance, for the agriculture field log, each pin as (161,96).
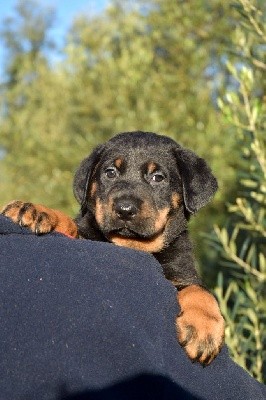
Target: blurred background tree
(153,65)
(149,65)
(38,147)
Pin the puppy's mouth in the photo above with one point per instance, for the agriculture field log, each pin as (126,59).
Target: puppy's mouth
(130,233)
(127,232)
(147,233)
(149,242)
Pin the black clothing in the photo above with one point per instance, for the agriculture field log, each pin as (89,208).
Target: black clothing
(90,320)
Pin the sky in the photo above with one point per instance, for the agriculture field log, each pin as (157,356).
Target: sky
(66,11)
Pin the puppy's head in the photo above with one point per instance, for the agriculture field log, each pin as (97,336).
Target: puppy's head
(141,187)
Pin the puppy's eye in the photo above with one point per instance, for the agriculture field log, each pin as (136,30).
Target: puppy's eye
(157,177)
(111,172)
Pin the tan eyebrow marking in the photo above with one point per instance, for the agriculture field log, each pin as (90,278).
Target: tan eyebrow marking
(118,162)
(151,167)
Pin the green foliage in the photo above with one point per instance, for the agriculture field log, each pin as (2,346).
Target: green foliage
(241,289)
(40,152)
(132,67)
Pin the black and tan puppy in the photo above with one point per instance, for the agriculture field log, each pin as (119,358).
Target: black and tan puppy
(138,190)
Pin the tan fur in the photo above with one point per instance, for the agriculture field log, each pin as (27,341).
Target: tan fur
(52,220)
(93,189)
(151,167)
(146,211)
(150,246)
(161,219)
(99,212)
(118,162)
(176,200)
(199,306)
(64,224)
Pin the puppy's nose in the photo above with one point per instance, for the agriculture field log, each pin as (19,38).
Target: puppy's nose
(125,209)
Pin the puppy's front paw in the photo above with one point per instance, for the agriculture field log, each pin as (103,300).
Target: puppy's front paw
(39,219)
(30,216)
(200,325)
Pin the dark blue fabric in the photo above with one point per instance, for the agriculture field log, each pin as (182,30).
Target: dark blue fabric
(89,320)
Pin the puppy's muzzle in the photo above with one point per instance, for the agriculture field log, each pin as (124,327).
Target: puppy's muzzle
(126,209)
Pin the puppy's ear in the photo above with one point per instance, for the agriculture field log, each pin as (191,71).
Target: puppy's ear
(84,174)
(199,184)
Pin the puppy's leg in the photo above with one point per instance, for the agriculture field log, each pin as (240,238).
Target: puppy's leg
(40,219)
(200,324)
